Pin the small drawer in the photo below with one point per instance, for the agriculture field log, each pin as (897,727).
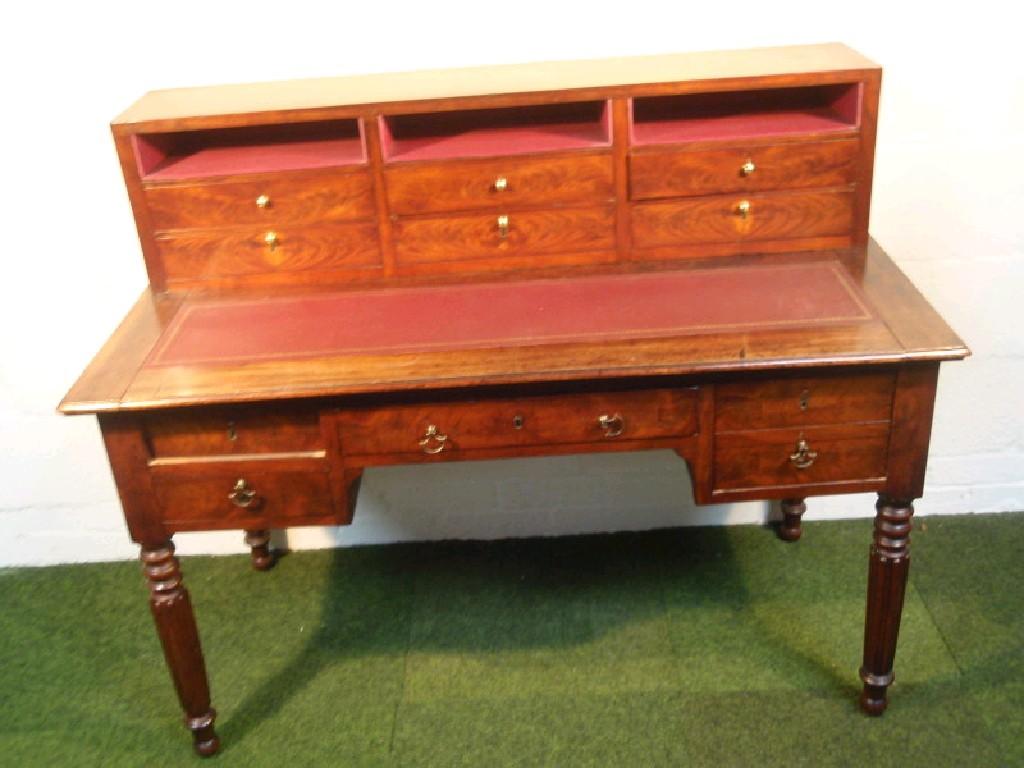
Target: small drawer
(243,494)
(791,458)
(803,401)
(453,238)
(443,429)
(463,186)
(735,218)
(232,431)
(677,173)
(191,254)
(273,201)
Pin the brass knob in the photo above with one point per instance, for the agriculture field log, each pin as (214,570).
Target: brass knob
(263,201)
(803,456)
(242,495)
(272,240)
(500,184)
(503,226)
(743,209)
(433,441)
(612,425)
(747,168)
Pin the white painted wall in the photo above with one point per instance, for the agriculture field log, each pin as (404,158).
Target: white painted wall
(949,192)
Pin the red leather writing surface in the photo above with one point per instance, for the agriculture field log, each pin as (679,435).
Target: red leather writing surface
(658,304)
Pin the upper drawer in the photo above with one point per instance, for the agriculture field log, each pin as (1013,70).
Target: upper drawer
(734,218)
(234,431)
(453,238)
(456,186)
(283,198)
(562,419)
(675,173)
(803,401)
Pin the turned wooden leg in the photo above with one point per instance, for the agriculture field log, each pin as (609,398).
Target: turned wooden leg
(792,510)
(262,555)
(176,626)
(888,565)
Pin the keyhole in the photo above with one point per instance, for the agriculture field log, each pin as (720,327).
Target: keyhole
(232,432)
(517,421)
(805,397)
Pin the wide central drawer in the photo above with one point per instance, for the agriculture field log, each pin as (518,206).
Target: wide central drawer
(450,428)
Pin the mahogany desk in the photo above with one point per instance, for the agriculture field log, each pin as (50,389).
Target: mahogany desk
(632,254)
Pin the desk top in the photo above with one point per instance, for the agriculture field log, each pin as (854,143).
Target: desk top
(788,310)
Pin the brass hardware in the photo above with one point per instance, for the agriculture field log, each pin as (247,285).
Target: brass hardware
(805,398)
(803,456)
(743,209)
(232,432)
(433,435)
(263,201)
(517,422)
(500,184)
(747,168)
(242,495)
(612,425)
(272,240)
(503,226)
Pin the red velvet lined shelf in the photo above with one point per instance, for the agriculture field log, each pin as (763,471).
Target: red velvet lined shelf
(744,114)
(490,132)
(259,149)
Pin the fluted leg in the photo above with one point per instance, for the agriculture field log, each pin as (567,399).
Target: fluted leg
(792,511)
(176,626)
(262,555)
(888,566)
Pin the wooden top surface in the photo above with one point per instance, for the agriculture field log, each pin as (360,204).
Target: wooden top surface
(833,313)
(180,104)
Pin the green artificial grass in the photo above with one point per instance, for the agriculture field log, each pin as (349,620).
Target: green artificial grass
(697,646)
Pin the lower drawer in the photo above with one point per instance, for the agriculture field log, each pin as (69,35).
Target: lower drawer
(243,494)
(794,458)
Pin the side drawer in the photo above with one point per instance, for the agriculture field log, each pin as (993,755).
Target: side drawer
(771,458)
(556,420)
(460,186)
(803,401)
(682,173)
(234,431)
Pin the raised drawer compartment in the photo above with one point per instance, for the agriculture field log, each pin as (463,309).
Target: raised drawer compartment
(451,428)
(249,251)
(792,458)
(234,431)
(469,185)
(674,173)
(804,401)
(273,200)
(243,494)
(453,238)
(734,218)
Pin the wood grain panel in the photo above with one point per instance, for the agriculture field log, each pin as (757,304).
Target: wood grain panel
(676,173)
(717,219)
(232,431)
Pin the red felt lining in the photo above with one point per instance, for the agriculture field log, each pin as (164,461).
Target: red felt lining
(523,313)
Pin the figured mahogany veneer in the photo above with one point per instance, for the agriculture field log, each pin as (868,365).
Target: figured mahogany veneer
(663,252)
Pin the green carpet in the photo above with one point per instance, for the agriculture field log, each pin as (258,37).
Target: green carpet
(687,647)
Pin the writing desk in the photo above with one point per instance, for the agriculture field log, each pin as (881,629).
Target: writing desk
(634,254)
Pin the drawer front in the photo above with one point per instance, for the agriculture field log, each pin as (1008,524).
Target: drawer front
(734,218)
(250,251)
(568,419)
(453,238)
(269,202)
(242,494)
(233,431)
(772,458)
(463,186)
(668,173)
(805,400)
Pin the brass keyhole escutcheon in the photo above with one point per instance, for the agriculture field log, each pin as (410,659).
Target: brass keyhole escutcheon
(232,432)
(433,441)
(500,184)
(743,209)
(263,202)
(612,425)
(503,226)
(242,495)
(747,168)
(805,398)
(803,456)
(272,240)
(517,422)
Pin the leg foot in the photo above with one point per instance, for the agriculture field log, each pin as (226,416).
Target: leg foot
(176,626)
(262,555)
(792,511)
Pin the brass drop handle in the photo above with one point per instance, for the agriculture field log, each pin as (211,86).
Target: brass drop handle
(743,209)
(747,168)
(242,495)
(272,240)
(612,425)
(433,441)
(503,226)
(263,202)
(500,184)
(803,456)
